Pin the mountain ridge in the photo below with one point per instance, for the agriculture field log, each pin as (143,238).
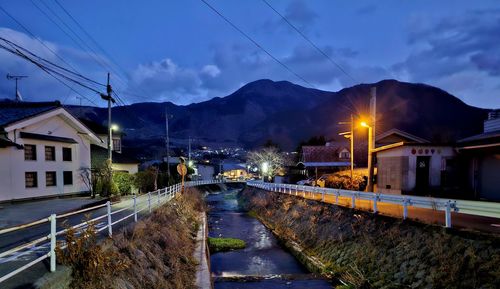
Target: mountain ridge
(287,113)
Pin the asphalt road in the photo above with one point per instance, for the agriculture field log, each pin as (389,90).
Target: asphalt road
(16,238)
(429,216)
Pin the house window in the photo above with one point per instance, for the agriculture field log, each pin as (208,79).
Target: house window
(50,153)
(50,179)
(30,152)
(117,145)
(31,179)
(66,154)
(68,177)
(345,155)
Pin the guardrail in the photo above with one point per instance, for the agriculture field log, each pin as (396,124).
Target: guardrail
(147,201)
(477,208)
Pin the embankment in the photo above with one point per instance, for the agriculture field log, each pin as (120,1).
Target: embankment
(370,251)
(156,252)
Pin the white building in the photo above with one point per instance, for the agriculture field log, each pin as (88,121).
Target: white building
(42,151)
(407,164)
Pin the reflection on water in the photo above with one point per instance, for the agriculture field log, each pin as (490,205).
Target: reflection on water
(262,256)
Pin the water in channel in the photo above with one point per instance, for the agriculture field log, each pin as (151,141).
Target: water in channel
(263,263)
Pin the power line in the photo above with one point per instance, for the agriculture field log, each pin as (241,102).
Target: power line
(312,43)
(94,55)
(33,35)
(257,44)
(14,50)
(330,59)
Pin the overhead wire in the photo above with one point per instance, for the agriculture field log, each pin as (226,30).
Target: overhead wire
(256,43)
(323,53)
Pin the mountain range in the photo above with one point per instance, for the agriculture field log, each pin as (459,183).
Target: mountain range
(287,114)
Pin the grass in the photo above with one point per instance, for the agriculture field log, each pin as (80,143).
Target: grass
(225,244)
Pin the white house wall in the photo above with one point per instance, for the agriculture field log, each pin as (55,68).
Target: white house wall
(130,168)
(435,164)
(13,166)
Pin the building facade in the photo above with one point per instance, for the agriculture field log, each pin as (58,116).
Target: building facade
(43,150)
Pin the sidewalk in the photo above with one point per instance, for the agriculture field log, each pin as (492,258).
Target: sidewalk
(25,212)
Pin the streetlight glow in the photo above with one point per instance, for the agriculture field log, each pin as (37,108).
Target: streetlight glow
(364,124)
(114,127)
(265,167)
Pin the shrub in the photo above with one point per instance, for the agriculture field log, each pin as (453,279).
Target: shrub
(124,182)
(145,180)
(89,261)
(225,244)
(342,180)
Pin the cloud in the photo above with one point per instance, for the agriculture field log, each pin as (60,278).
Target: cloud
(39,85)
(164,80)
(451,51)
(297,12)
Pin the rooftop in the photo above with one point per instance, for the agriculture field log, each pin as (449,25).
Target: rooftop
(13,111)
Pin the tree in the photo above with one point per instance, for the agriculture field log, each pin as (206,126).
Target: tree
(269,161)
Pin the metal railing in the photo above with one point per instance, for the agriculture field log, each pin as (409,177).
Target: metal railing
(147,201)
(477,208)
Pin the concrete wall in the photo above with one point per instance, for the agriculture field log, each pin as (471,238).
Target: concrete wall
(397,167)
(130,168)
(13,166)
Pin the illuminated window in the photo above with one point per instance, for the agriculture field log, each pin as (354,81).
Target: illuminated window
(117,145)
(31,179)
(50,153)
(30,152)
(50,179)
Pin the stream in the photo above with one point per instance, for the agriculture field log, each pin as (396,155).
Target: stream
(263,263)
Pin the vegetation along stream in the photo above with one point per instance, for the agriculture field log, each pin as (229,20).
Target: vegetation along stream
(263,263)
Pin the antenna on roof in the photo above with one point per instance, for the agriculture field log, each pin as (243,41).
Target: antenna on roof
(18,96)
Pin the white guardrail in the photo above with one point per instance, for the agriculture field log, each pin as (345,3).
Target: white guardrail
(149,201)
(478,208)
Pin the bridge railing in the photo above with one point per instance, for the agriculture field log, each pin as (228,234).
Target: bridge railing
(477,208)
(149,201)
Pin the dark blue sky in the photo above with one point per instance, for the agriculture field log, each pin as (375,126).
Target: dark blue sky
(181,51)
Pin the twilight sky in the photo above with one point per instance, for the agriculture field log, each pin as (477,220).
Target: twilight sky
(181,51)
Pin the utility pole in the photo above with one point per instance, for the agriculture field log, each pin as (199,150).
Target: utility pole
(350,136)
(110,99)
(371,137)
(352,149)
(189,151)
(17,95)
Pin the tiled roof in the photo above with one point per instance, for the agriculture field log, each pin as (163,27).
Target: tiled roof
(320,153)
(12,111)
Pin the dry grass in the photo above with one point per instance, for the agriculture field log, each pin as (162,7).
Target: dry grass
(381,252)
(155,253)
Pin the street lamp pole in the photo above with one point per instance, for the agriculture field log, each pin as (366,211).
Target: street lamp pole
(369,186)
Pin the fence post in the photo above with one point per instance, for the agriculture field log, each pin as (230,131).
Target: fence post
(135,208)
(375,200)
(110,226)
(323,195)
(296,190)
(158,197)
(353,200)
(53,227)
(337,197)
(448,214)
(149,201)
(405,208)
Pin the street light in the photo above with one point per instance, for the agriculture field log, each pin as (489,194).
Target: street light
(369,186)
(115,127)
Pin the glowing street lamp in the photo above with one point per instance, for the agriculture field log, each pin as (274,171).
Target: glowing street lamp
(115,127)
